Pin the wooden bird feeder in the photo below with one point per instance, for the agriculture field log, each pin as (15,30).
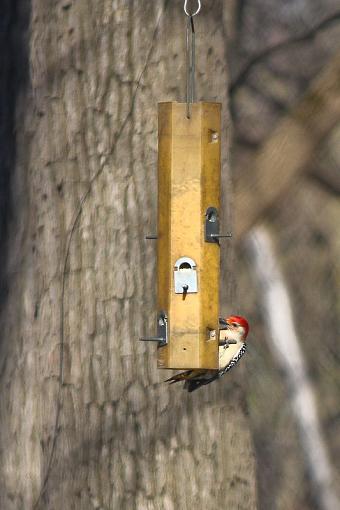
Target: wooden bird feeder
(188,249)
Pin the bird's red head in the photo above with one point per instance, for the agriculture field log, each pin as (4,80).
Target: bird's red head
(241,321)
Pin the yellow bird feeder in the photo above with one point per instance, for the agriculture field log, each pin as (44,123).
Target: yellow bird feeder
(188,249)
(188,255)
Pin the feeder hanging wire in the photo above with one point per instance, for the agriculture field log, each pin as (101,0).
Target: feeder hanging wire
(190,56)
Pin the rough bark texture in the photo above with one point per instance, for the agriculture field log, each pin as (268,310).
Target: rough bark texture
(83,178)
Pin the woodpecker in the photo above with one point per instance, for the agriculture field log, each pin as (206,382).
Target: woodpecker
(232,346)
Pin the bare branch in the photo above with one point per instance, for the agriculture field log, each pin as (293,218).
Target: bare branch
(289,149)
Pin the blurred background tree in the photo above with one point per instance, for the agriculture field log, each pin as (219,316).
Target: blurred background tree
(285,98)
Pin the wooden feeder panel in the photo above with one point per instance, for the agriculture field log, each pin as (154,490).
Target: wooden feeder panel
(188,184)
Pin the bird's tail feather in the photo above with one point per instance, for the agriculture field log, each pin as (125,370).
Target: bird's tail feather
(178,377)
(193,384)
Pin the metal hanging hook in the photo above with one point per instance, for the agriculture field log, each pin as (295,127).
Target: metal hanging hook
(193,13)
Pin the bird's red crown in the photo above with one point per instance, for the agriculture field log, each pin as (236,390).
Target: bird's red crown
(240,320)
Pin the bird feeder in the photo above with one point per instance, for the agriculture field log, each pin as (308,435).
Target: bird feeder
(188,250)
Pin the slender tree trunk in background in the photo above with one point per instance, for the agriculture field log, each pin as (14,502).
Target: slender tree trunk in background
(285,346)
(83,177)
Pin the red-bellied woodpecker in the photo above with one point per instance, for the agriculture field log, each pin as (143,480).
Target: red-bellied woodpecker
(232,346)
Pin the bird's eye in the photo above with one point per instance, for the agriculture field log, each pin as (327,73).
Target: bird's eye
(234,324)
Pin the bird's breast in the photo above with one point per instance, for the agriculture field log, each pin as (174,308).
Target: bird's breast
(227,354)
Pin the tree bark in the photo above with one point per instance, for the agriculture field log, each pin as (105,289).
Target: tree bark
(86,421)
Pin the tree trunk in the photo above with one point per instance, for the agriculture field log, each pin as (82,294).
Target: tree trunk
(284,344)
(86,421)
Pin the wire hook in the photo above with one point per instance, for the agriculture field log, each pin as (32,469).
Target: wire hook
(194,13)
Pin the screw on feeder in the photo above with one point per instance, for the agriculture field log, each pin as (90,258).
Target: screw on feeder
(214,137)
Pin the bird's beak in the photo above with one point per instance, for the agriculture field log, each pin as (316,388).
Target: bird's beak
(223,323)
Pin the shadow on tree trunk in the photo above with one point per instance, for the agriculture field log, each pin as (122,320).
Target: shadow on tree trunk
(14,77)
